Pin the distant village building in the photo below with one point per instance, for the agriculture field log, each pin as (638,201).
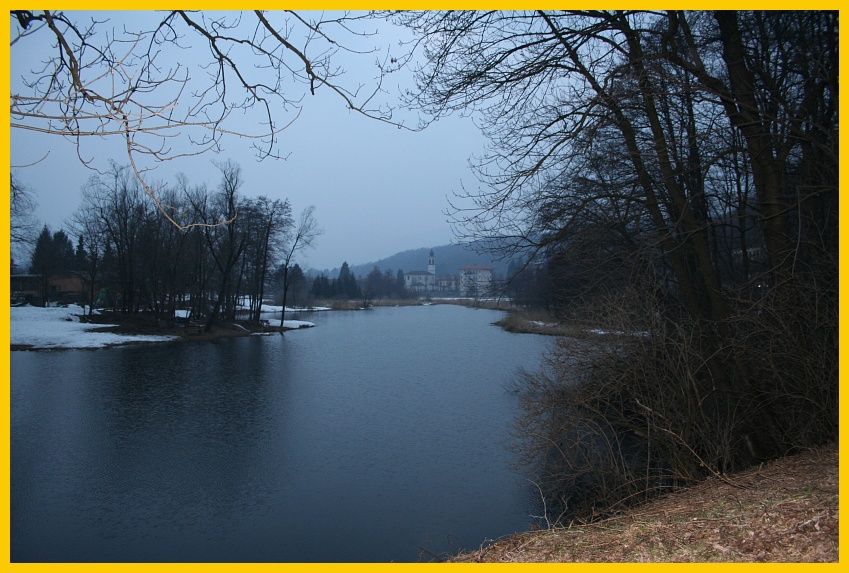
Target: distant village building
(446,283)
(422,281)
(474,280)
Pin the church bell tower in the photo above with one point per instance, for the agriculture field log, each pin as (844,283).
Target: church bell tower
(431,264)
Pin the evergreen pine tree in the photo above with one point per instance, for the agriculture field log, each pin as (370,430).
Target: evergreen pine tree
(400,287)
(80,256)
(53,253)
(296,280)
(42,262)
(346,283)
(63,251)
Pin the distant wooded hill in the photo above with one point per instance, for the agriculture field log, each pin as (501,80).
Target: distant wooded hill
(449,259)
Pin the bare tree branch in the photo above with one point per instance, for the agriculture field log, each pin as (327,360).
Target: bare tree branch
(169,83)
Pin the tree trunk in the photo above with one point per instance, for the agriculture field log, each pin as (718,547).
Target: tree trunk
(285,294)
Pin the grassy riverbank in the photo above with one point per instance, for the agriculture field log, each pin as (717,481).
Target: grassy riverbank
(541,322)
(782,511)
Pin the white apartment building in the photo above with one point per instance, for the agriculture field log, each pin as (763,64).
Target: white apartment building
(475,280)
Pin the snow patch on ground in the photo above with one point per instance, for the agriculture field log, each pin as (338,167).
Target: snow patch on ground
(619,332)
(60,327)
(291,324)
(270,308)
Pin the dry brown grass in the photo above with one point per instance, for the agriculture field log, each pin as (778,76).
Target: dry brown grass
(541,322)
(782,511)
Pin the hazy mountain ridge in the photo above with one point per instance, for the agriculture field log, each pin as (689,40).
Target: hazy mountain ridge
(449,259)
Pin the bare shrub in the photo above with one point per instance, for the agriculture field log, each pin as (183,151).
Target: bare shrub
(788,338)
(667,401)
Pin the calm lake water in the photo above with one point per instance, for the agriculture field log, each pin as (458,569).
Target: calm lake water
(377,436)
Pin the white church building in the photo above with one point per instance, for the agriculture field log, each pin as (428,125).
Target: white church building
(422,281)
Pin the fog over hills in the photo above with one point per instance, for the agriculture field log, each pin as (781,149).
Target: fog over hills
(448,258)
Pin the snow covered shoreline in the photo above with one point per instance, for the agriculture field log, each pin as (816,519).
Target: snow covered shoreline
(59,327)
(37,328)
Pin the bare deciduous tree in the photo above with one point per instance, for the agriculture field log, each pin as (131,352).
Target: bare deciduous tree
(302,237)
(175,83)
(22,225)
(267,222)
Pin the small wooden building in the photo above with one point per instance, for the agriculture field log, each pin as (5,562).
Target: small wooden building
(65,288)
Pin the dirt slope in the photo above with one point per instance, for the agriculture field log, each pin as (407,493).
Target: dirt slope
(782,511)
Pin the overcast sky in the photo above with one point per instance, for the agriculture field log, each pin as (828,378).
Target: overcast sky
(377,189)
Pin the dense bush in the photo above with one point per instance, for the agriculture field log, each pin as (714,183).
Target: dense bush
(613,421)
